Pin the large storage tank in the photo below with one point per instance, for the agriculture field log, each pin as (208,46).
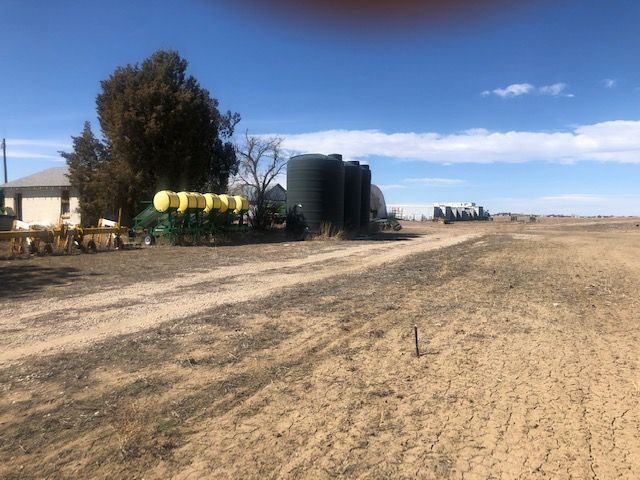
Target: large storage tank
(365,196)
(352,195)
(316,182)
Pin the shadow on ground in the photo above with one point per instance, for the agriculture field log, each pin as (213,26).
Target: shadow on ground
(276,237)
(390,236)
(18,280)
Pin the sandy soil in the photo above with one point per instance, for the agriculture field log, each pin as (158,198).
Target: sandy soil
(297,360)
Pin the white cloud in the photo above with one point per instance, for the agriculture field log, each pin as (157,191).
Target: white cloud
(609,83)
(393,186)
(36,149)
(514,90)
(519,89)
(555,90)
(574,198)
(36,142)
(34,155)
(435,182)
(613,141)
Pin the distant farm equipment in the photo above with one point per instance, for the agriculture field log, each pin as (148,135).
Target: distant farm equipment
(382,224)
(523,219)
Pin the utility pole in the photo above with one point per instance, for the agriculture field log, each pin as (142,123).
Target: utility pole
(4,159)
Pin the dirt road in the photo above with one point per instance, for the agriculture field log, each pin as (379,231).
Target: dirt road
(530,365)
(70,321)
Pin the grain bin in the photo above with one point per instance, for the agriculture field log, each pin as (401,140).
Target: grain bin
(316,183)
(365,196)
(378,204)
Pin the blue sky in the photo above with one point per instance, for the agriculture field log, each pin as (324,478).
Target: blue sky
(532,109)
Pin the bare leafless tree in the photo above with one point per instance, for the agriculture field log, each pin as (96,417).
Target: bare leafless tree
(261,160)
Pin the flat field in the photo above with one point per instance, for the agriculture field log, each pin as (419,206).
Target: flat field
(297,359)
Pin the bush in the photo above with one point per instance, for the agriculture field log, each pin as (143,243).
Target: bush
(296,224)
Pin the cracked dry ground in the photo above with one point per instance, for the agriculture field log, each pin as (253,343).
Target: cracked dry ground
(530,370)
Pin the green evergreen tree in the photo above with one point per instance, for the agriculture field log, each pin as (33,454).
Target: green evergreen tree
(161,130)
(164,130)
(86,162)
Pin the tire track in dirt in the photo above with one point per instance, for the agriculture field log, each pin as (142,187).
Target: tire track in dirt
(91,318)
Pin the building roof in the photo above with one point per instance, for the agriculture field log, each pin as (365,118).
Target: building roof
(51,177)
(277,193)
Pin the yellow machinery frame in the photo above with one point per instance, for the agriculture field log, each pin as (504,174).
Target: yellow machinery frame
(63,236)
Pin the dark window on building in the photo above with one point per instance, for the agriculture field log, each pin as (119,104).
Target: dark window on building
(17,205)
(64,202)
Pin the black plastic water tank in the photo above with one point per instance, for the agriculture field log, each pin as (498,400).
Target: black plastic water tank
(352,195)
(365,197)
(316,182)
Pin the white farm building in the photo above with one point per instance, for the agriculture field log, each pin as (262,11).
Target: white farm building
(43,198)
(447,211)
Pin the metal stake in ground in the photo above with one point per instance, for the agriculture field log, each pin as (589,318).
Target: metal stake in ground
(415,331)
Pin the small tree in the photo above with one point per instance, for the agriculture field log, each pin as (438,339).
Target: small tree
(85,163)
(261,161)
